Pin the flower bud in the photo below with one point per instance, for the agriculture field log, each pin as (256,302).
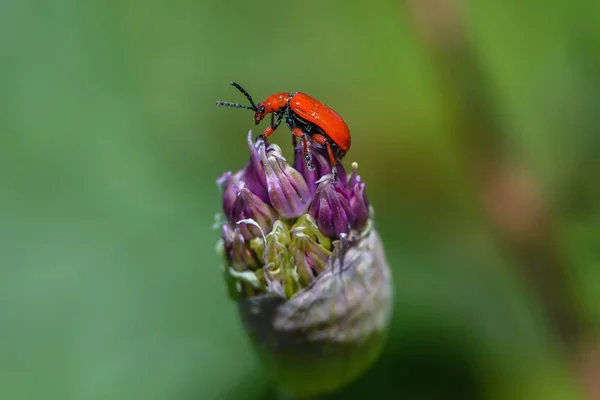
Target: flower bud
(228,184)
(324,337)
(322,167)
(358,202)
(238,254)
(249,206)
(330,208)
(254,173)
(306,268)
(287,189)
(310,248)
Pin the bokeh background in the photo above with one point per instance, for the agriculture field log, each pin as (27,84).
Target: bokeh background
(475,124)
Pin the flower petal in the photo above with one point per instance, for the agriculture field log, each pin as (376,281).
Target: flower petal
(330,208)
(249,206)
(254,177)
(288,191)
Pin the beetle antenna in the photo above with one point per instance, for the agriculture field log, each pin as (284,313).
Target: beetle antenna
(241,89)
(227,104)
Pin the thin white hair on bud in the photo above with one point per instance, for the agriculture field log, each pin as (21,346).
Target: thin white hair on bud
(278,156)
(325,178)
(250,221)
(275,151)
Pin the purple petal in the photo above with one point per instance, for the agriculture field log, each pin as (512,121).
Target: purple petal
(288,191)
(354,178)
(310,177)
(249,206)
(229,185)
(359,206)
(238,254)
(320,161)
(330,208)
(255,171)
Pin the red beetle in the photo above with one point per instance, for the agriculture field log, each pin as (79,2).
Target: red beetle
(306,117)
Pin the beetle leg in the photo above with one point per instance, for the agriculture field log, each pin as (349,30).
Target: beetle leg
(322,140)
(307,156)
(297,132)
(271,128)
(279,119)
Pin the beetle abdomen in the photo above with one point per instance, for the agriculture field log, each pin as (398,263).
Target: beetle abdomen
(315,112)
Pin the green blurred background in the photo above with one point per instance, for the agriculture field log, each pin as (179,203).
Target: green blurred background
(476,127)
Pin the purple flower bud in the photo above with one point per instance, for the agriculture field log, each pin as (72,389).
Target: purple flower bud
(249,206)
(311,298)
(229,183)
(359,204)
(288,191)
(330,208)
(237,253)
(322,165)
(255,171)
(354,177)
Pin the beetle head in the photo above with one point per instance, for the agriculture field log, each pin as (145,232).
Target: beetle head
(275,103)
(262,109)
